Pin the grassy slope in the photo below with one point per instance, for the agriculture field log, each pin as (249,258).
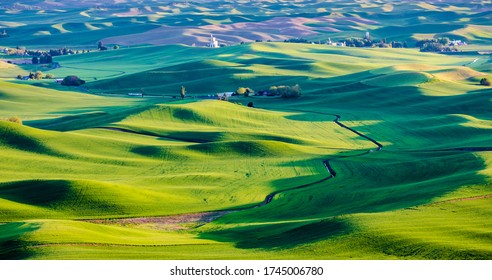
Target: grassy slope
(38,103)
(259,66)
(8,70)
(411,102)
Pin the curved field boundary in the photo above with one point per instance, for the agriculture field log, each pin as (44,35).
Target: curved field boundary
(326,162)
(379,145)
(213,215)
(207,217)
(150,134)
(117,73)
(268,199)
(337,121)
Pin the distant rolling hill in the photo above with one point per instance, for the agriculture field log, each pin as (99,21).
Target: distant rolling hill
(84,23)
(90,176)
(259,66)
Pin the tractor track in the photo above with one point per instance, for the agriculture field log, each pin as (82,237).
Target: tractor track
(331,171)
(269,198)
(327,163)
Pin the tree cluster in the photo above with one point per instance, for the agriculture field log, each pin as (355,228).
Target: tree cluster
(435,45)
(285,91)
(485,82)
(54,52)
(357,42)
(21,51)
(38,75)
(369,43)
(297,40)
(72,81)
(37,53)
(443,41)
(244,91)
(15,119)
(43,59)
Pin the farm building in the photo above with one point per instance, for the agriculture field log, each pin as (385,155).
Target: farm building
(213,43)
(228,94)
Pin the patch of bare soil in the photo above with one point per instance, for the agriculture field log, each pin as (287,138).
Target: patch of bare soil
(174,222)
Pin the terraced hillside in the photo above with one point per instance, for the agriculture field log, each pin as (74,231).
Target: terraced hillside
(386,155)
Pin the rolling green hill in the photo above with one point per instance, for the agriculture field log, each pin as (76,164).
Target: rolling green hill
(386,155)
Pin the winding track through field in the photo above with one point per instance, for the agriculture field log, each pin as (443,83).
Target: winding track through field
(150,134)
(326,162)
(213,215)
(268,199)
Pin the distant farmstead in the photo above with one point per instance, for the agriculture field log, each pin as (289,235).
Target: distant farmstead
(4,34)
(228,94)
(213,43)
(457,43)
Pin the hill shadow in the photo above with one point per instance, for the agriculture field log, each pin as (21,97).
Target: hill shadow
(280,236)
(14,137)
(370,186)
(34,192)
(98,117)
(11,247)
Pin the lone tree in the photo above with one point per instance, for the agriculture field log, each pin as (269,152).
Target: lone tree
(72,81)
(244,91)
(485,82)
(38,75)
(241,91)
(15,119)
(183,92)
